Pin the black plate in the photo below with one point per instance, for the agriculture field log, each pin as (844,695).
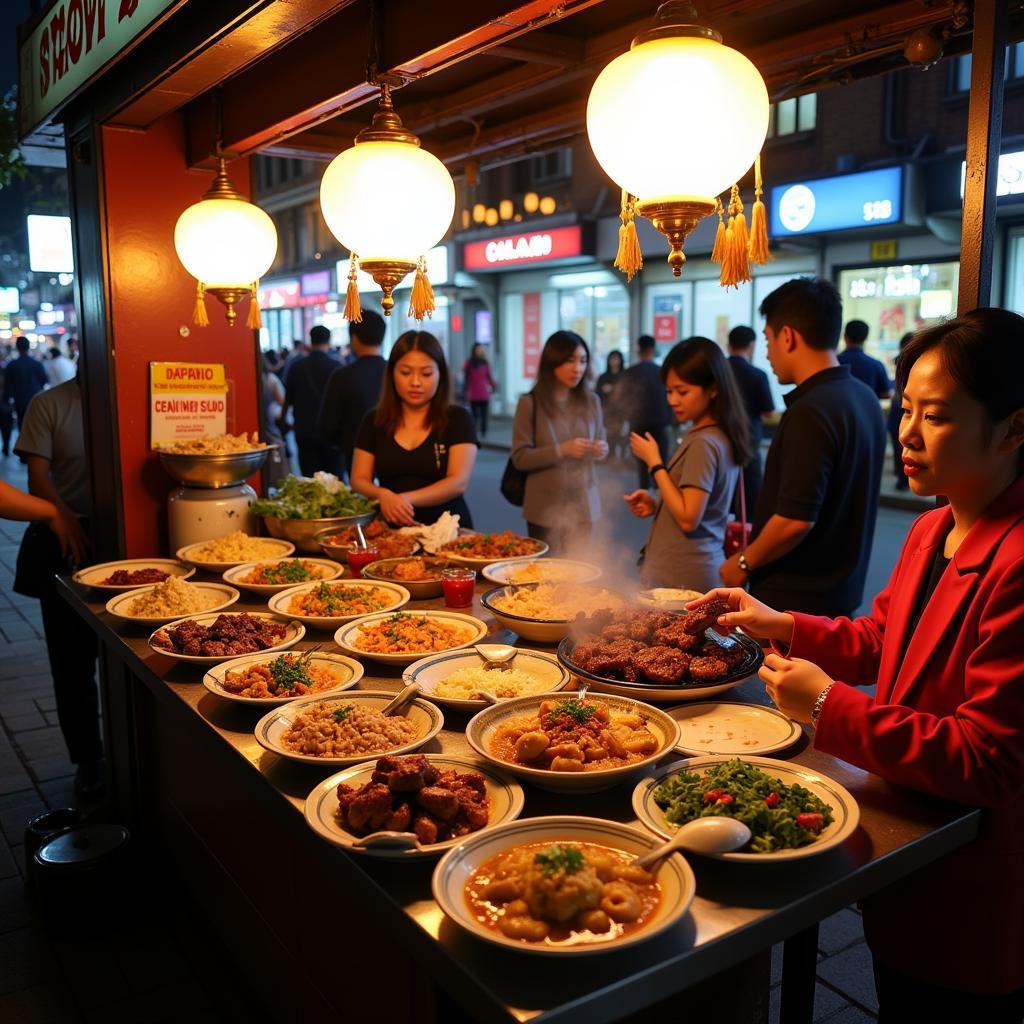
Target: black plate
(750,664)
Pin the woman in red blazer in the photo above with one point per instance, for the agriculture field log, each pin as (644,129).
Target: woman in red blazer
(945,644)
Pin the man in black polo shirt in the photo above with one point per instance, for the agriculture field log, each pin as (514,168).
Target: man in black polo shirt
(757,397)
(815,517)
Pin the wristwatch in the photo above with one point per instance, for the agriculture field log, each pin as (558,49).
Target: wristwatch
(742,562)
(819,704)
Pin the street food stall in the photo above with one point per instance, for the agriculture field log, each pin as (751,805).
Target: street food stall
(214,763)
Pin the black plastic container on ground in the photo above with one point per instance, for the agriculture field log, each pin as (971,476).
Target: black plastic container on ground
(46,826)
(82,876)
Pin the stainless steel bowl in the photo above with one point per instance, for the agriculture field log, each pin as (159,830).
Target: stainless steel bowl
(303,532)
(214,471)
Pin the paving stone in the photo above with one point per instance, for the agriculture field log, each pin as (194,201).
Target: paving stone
(60,792)
(48,702)
(16,630)
(41,744)
(40,1004)
(16,705)
(22,796)
(851,1015)
(839,932)
(15,910)
(22,723)
(25,960)
(52,718)
(776,964)
(8,867)
(850,972)
(14,819)
(13,779)
(49,768)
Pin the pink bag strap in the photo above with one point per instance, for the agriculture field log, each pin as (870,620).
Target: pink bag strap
(743,508)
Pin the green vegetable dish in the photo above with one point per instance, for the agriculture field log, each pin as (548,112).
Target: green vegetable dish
(779,817)
(310,499)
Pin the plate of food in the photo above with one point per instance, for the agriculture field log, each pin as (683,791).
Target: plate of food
(541,570)
(347,728)
(730,727)
(211,639)
(329,605)
(389,543)
(273,678)
(419,574)
(658,656)
(479,550)
(562,886)
(437,799)
(279,574)
(668,599)
(131,573)
(233,549)
(791,811)
(561,743)
(456,677)
(544,612)
(164,602)
(400,638)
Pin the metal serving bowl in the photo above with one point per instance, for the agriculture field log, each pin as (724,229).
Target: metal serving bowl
(303,532)
(214,471)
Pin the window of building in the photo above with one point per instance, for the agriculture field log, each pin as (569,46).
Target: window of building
(797,114)
(960,80)
(549,167)
(1015,271)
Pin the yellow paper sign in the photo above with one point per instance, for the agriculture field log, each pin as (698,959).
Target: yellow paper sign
(186,401)
(884,250)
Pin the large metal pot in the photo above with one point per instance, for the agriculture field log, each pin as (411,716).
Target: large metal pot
(214,471)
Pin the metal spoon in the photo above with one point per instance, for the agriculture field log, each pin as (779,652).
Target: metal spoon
(709,836)
(362,539)
(396,705)
(496,656)
(727,643)
(487,696)
(389,840)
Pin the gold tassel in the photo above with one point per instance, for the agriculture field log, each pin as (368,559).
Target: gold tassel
(199,316)
(421,301)
(736,267)
(629,259)
(718,252)
(725,277)
(759,251)
(353,311)
(254,321)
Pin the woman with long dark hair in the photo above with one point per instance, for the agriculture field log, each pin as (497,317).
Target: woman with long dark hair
(608,391)
(944,645)
(478,386)
(419,447)
(684,547)
(557,436)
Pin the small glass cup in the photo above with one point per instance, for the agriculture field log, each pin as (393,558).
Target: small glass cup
(359,558)
(459,585)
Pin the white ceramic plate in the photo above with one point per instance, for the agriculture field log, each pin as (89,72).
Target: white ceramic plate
(482,563)
(348,635)
(345,670)
(234,575)
(667,599)
(541,631)
(739,730)
(430,671)
(844,807)
(271,727)
(482,728)
(503,573)
(460,864)
(278,604)
(281,549)
(294,632)
(505,796)
(91,576)
(219,595)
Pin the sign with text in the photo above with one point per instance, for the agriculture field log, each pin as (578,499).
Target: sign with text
(860,200)
(881,252)
(72,42)
(1009,176)
(666,327)
(49,244)
(531,335)
(524,249)
(186,400)
(279,294)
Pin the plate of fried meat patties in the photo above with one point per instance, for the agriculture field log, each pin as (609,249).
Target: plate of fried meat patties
(656,655)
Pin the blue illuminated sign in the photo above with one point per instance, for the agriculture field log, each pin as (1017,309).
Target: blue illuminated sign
(856,200)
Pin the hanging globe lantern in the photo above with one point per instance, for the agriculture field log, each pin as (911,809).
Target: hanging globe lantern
(388,201)
(675,122)
(227,244)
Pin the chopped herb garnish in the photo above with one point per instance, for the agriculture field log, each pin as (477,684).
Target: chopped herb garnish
(560,858)
(581,713)
(340,714)
(287,671)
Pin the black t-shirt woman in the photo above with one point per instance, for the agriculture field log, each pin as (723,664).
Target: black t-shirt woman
(417,445)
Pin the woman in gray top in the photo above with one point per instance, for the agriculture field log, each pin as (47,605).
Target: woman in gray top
(557,436)
(684,547)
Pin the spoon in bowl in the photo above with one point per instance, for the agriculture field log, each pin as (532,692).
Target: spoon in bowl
(389,840)
(396,705)
(708,836)
(496,656)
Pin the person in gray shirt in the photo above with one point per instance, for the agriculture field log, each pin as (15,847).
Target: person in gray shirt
(557,436)
(684,547)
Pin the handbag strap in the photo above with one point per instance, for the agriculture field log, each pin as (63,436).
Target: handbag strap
(743,508)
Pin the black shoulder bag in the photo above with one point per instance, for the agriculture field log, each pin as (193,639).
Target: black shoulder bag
(513,480)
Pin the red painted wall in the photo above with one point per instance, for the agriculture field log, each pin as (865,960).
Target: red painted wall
(147,185)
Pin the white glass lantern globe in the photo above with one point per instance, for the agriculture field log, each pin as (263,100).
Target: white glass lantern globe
(388,201)
(225,243)
(678,118)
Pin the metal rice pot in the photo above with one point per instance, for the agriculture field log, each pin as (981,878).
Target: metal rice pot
(43,827)
(82,875)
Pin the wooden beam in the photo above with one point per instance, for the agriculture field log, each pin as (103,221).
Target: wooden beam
(542,48)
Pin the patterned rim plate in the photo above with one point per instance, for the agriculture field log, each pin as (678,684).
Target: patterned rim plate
(118,605)
(294,632)
(350,672)
(278,604)
(734,728)
(90,576)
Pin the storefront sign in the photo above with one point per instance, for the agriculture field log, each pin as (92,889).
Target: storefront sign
(10,300)
(49,244)
(882,251)
(857,200)
(1010,176)
(531,335)
(278,294)
(316,283)
(517,250)
(666,327)
(186,400)
(72,42)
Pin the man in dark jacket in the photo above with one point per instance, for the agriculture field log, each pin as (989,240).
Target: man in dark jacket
(304,391)
(647,408)
(24,378)
(757,397)
(354,389)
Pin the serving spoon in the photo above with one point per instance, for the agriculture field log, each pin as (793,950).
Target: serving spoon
(709,836)
(396,705)
(497,657)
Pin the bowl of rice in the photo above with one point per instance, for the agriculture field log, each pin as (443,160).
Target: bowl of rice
(456,678)
(544,612)
(542,570)
(347,728)
(172,599)
(233,549)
